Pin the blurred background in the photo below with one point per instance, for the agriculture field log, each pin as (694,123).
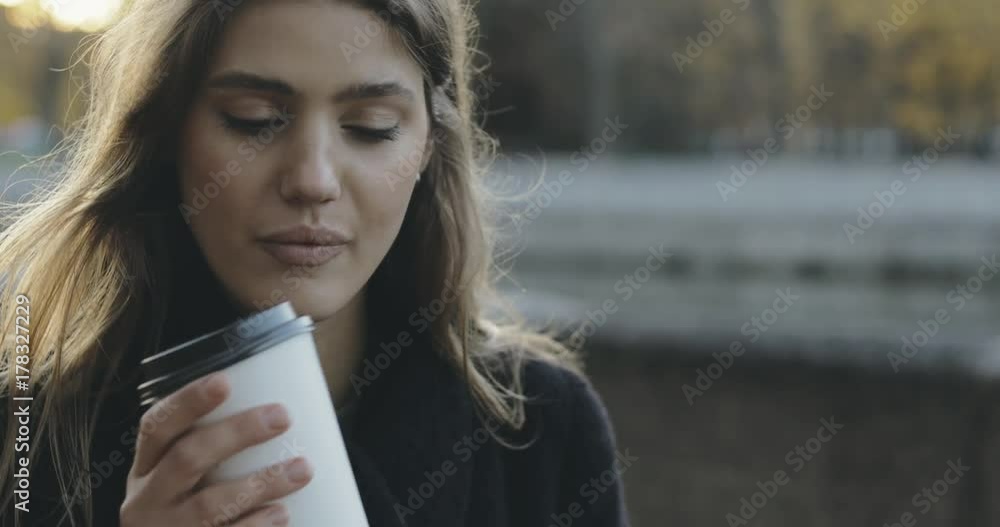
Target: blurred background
(771,224)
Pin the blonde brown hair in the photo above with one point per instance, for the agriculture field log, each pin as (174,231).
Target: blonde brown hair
(91,256)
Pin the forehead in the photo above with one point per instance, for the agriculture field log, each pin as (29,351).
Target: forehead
(314,45)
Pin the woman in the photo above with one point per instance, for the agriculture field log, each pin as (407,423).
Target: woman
(240,154)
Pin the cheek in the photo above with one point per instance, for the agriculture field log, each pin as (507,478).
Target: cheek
(381,209)
(385,189)
(216,187)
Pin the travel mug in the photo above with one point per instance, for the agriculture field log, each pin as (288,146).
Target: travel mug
(269,357)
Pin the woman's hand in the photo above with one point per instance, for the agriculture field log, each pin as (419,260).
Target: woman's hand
(172,457)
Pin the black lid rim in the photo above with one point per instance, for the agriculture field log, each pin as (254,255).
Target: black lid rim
(243,329)
(256,324)
(154,389)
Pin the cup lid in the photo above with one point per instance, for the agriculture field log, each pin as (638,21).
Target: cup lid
(172,368)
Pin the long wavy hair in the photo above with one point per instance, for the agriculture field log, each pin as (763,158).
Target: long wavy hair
(98,252)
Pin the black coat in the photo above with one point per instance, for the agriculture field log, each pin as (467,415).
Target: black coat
(422,457)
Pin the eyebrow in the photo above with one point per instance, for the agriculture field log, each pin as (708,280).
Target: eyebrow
(357,91)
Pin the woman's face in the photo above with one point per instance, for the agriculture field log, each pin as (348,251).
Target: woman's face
(301,125)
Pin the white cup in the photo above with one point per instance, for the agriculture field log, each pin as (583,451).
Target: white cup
(269,357)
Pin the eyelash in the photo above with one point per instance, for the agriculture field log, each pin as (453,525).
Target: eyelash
(367,135)
(375,135)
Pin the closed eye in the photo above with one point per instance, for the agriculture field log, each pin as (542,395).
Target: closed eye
(362,133)
(374,135)
(244,126)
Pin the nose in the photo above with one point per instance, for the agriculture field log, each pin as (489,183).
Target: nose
(310,176)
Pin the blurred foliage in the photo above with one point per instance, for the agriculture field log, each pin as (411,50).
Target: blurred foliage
(914,73)
(558,68)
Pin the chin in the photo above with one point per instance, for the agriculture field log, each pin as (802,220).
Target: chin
(321,301)
(320,297)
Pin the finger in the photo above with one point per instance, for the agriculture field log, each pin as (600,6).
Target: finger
(273,515)
(172,416)
(195,453)
(227,501)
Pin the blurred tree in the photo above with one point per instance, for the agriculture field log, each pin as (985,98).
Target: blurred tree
(559,67)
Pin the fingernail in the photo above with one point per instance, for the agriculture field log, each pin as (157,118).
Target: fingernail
(275,417)
(278,516)
(299,471)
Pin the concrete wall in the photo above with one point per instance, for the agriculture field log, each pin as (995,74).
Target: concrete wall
(696,462)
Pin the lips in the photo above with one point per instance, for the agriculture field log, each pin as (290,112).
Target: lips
(302,254)
(305,245)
